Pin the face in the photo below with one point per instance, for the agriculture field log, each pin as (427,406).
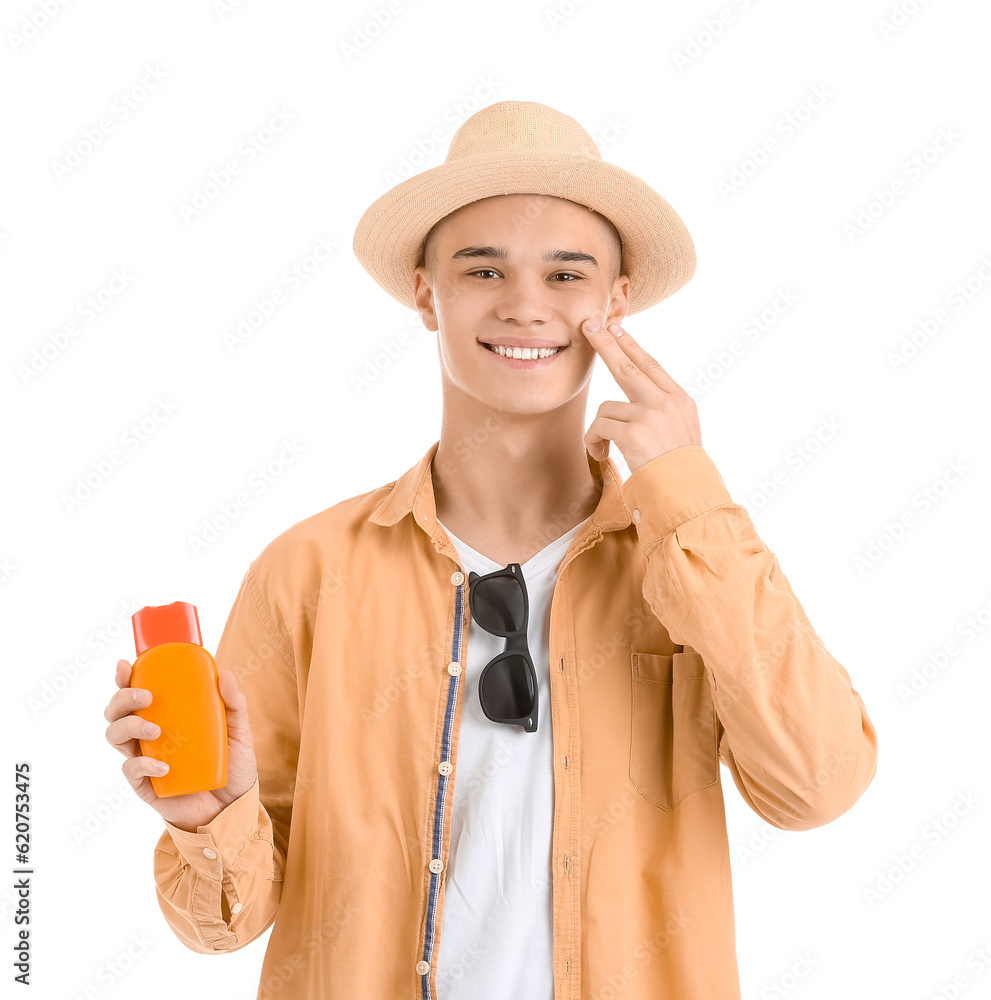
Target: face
(523,270)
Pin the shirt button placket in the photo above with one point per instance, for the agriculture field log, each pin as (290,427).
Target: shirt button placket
(444,767)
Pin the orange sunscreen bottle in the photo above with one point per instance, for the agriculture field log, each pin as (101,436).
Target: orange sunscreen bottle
(185,700)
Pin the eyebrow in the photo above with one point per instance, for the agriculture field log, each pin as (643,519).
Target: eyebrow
(500,253)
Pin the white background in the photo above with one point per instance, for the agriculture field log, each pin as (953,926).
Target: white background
(73,570)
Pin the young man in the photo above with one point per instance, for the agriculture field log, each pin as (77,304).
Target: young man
(488,701)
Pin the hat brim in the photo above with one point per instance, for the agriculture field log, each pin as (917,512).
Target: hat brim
(658,252)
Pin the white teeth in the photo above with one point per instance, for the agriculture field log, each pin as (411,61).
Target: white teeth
(524,353)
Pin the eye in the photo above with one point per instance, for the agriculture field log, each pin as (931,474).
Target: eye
(560,274)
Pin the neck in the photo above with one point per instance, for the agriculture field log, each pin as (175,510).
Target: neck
(510,491)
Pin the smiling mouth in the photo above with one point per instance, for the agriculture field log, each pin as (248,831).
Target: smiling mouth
(523,353)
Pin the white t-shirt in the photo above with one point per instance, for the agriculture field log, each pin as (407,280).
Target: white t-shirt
(496,937)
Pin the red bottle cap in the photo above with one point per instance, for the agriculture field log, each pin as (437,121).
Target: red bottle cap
(155,624)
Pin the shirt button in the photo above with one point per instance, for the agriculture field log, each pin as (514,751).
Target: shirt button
(422,968)
(454,668)
(445,767)
(457,578)
(636,515)
(237,908)
(436,865)
(210,854)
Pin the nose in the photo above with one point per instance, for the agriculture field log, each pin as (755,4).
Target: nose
(523,300)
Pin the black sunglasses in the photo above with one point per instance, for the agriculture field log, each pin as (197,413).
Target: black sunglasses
(507,686)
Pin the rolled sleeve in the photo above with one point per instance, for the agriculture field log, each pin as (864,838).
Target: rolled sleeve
(217,886)
(787,711)
(671,489)
(213,848)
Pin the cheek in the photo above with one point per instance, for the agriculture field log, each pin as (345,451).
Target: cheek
(455,312)
(594,304)
(584,349)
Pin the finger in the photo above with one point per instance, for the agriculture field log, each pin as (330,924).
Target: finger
(125,701)
(635,383)
(237,707)
(601,432)
(136,769)
(123,734)
(647,363)
(597,447)
(123,677)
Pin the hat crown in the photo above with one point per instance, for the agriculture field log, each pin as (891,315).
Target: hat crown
(514,125)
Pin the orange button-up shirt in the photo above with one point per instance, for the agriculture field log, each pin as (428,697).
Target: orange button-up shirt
(676,644)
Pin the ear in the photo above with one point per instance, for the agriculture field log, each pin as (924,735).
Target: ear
(423,295)
(619,301)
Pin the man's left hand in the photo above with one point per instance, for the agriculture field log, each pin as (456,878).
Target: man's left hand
(659,416)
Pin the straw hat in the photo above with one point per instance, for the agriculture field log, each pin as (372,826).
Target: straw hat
(522,147)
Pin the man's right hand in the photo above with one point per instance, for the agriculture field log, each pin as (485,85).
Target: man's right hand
(198,808)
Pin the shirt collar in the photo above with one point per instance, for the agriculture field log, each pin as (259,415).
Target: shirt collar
(414,492)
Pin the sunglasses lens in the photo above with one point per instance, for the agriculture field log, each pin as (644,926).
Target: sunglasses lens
(505,689)
(498,605)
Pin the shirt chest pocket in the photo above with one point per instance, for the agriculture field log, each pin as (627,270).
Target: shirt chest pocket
(673,749)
